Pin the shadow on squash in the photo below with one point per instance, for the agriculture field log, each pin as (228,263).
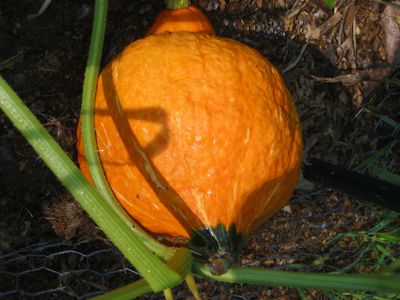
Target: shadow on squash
(151,114)
(166,194)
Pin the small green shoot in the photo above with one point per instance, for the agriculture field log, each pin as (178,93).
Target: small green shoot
(330,3)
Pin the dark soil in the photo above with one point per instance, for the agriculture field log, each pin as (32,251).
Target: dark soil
(43,59)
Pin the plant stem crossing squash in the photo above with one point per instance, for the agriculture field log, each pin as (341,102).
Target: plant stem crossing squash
(198,137)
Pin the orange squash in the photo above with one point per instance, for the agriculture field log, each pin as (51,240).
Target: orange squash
(198,137)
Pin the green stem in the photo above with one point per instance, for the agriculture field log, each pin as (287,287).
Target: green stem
(88,132)
(181,263)
(191,284)
(88,96)
(177,4)
(377,283)
(301,294)
(156,273)
(91,151)
(168,294)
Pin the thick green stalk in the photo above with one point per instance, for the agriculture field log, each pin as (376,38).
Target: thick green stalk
(378,283)
(91,151)
(88,132)
(181,263)
(177,4)
(155,272)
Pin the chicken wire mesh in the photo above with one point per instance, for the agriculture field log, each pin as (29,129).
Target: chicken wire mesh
(318,231)
(59,269)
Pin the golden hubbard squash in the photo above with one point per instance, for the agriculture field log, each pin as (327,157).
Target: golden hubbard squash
(197,135)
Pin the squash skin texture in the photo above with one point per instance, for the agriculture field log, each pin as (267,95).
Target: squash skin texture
(190,19)
(213,119)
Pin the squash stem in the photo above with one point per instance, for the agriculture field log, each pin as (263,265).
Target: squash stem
(181,263)
(158,275)
(177,4)
(389,283)
(168,294)
(88,133)
(153,271)
(191,284)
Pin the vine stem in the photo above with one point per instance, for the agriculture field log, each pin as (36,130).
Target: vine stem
(158,275)
(376,282)
(177,4)
(88,131)
(152,268)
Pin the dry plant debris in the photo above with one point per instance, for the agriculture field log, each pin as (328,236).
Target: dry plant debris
(360,38)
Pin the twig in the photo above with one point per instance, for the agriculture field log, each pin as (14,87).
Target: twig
(42,9)
(354,44)
(346,79)
(9,62)
(294,63)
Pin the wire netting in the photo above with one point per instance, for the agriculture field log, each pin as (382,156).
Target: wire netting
(59,269)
